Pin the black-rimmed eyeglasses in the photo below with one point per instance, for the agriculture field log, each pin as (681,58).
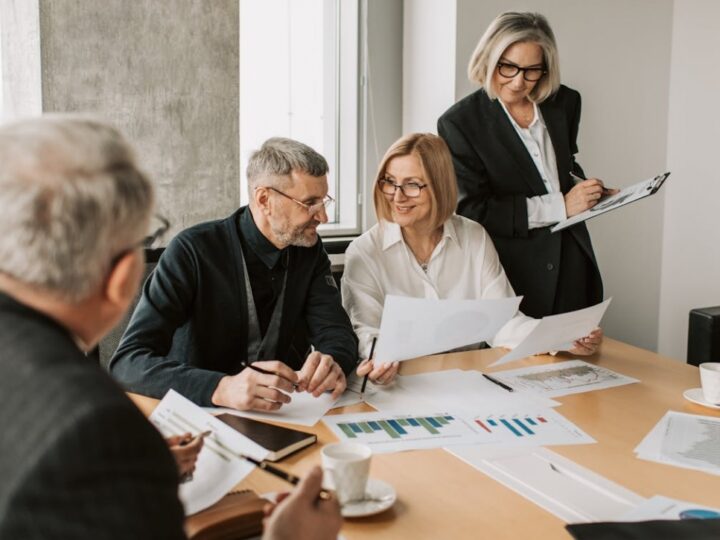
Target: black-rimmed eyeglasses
(409,189)
(530,74)
(162,226)
(312,209)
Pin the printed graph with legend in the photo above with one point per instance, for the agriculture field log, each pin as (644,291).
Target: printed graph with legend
(389,433)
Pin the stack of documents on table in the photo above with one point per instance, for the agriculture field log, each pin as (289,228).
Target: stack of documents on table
(684,440)
(385,432)
(451,390)
(553,482)
(219,467)
(562,378)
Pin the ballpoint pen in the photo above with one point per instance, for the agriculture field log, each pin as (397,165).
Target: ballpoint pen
(288,477)
(365,380)
(265,372)
(577,179)
(500,384)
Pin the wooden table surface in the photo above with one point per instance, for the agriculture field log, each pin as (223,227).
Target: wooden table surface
(441,497)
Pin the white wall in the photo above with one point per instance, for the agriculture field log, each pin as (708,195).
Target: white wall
(691,239)
(428,62)
(617,54)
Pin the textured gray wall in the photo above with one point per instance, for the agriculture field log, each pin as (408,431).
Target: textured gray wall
(166,73)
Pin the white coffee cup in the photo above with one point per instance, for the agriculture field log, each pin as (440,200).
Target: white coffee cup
(710,381)
(346,467)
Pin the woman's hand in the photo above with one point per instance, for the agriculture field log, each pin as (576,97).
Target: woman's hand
(589,344)
(383,374)
(584,196)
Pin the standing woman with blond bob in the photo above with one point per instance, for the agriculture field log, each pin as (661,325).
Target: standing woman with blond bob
(513,145)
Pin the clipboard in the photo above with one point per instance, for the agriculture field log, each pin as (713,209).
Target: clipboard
(628,195)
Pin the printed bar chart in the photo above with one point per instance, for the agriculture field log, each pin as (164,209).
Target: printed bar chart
(519,426)
(396,428)
(390,433)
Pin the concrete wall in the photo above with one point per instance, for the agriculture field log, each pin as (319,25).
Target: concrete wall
(691,241)
(617,54)
(167,74)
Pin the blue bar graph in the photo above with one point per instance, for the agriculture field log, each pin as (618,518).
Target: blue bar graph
(396,426)
(523,427)
(510,427)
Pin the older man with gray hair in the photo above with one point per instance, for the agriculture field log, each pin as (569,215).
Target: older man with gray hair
(228,314)
(77,458)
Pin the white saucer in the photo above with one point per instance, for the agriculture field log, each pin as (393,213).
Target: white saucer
(381,494)
(696,396)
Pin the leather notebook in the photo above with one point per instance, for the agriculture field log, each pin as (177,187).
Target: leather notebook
(237,515)
(279,441)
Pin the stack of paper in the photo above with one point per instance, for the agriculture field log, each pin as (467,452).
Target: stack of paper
(684,440)
(451,390)
(562,378)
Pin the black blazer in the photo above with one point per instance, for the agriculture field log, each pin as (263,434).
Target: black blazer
(495,175)
(77,458)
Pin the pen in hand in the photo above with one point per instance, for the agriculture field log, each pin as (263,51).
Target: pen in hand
(288,477)
(264,372)
(577,179)
(365,380)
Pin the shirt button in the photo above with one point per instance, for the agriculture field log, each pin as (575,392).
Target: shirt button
(550,266)
(535,154)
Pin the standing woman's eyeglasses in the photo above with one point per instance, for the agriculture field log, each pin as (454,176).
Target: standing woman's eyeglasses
(530,74)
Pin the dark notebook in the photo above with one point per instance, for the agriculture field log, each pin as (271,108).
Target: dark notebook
(278,440)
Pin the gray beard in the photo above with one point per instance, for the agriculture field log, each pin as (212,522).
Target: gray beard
(294,237)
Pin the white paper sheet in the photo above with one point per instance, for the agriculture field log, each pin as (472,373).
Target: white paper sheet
(684,440)
(451,389)
(413,327)
(557,332)
(385,432)
(626,196)
(218,467)
(303,410)
(562,378)
(553,482)
(659,507)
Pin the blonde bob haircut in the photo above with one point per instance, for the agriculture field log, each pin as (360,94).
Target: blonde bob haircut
(506,30)
(438,170)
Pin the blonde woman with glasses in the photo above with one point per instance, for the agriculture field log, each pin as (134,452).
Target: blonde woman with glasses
(513,144)
(420,248)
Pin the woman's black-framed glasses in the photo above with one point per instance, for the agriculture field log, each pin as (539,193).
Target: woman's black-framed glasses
(312,209)
(530,74)
(409,189)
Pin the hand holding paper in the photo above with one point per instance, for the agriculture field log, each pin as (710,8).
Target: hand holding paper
(557,332)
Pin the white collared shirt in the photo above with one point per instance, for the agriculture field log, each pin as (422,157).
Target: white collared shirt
(463,266)
(543,210)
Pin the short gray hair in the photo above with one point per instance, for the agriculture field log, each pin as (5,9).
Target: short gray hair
(277,158)
(507,29)
(71,199)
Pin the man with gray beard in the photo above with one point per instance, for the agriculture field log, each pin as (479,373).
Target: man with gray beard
(254,289)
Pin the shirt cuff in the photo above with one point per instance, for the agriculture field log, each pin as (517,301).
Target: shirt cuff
(545,210)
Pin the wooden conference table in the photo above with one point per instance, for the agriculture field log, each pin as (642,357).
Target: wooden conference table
(439,496)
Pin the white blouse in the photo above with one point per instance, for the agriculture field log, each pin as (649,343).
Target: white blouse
(464,265)
(543,210)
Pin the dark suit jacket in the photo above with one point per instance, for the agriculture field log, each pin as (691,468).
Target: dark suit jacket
(190,327)
(77,459)
(495,175)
